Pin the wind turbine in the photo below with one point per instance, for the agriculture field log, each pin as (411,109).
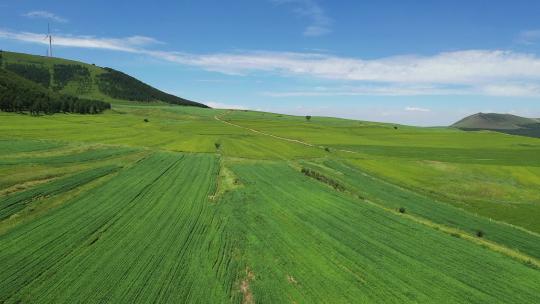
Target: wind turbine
(49,37)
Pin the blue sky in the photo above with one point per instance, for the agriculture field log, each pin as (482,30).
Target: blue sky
(413,62)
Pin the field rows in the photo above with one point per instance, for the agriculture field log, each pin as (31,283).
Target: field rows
(84,156)
(10,204)
(148,222)
(144,236)
(305,242)
(391,196)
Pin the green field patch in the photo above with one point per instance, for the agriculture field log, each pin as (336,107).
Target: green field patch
(304,242)
(8,147)
(524,157)
(505,193)
(13,203)
(394,197)
(80,157)
(147,235)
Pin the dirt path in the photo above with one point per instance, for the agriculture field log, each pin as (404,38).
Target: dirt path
(263,133)
(218,118)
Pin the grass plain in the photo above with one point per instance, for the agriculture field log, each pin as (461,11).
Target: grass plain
(211,206)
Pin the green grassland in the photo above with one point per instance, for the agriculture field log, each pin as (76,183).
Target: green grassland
(212,206)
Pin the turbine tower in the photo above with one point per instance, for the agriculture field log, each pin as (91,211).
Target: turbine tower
(49,37)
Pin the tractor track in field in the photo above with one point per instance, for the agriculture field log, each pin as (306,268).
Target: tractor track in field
(218,118)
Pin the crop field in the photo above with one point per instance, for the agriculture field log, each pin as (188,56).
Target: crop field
(321,236)
(137,238)
(215,206)
(393,197)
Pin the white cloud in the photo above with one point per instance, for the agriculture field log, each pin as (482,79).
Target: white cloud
(469,72)
(511,90)
(45,15)
(417,109)
(494,89)
(320,22)
(460,67)
(219,105)
(130,44)
(373,90)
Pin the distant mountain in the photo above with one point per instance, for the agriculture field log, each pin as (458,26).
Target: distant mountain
(85,80)
(504,123)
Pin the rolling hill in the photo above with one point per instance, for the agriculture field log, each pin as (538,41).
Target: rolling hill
(504,123)
(157,203)
(85,80)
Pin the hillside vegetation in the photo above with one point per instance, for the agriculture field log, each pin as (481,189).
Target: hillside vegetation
(504,123)
(85,80)
(17,94)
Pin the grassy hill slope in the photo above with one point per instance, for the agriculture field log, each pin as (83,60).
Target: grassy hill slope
(505,123)
(85,80)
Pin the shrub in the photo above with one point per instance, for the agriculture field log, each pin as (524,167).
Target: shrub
(395,127)
(316,175)
(308,117)
(480,233)
(218,145)
(146,120)
(327,149)
(401,210)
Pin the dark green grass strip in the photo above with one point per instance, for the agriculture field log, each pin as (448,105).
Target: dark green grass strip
(9,147)
(85,156)
(494,156)
(395,197)
(13,203)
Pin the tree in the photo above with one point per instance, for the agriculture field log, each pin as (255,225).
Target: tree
(18,94)
(146,120)
(401,210)
(308,117)
(218,145)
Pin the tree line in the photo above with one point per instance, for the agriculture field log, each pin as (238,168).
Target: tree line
(18,94)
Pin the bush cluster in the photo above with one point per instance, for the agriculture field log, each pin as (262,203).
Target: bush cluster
(316,175)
